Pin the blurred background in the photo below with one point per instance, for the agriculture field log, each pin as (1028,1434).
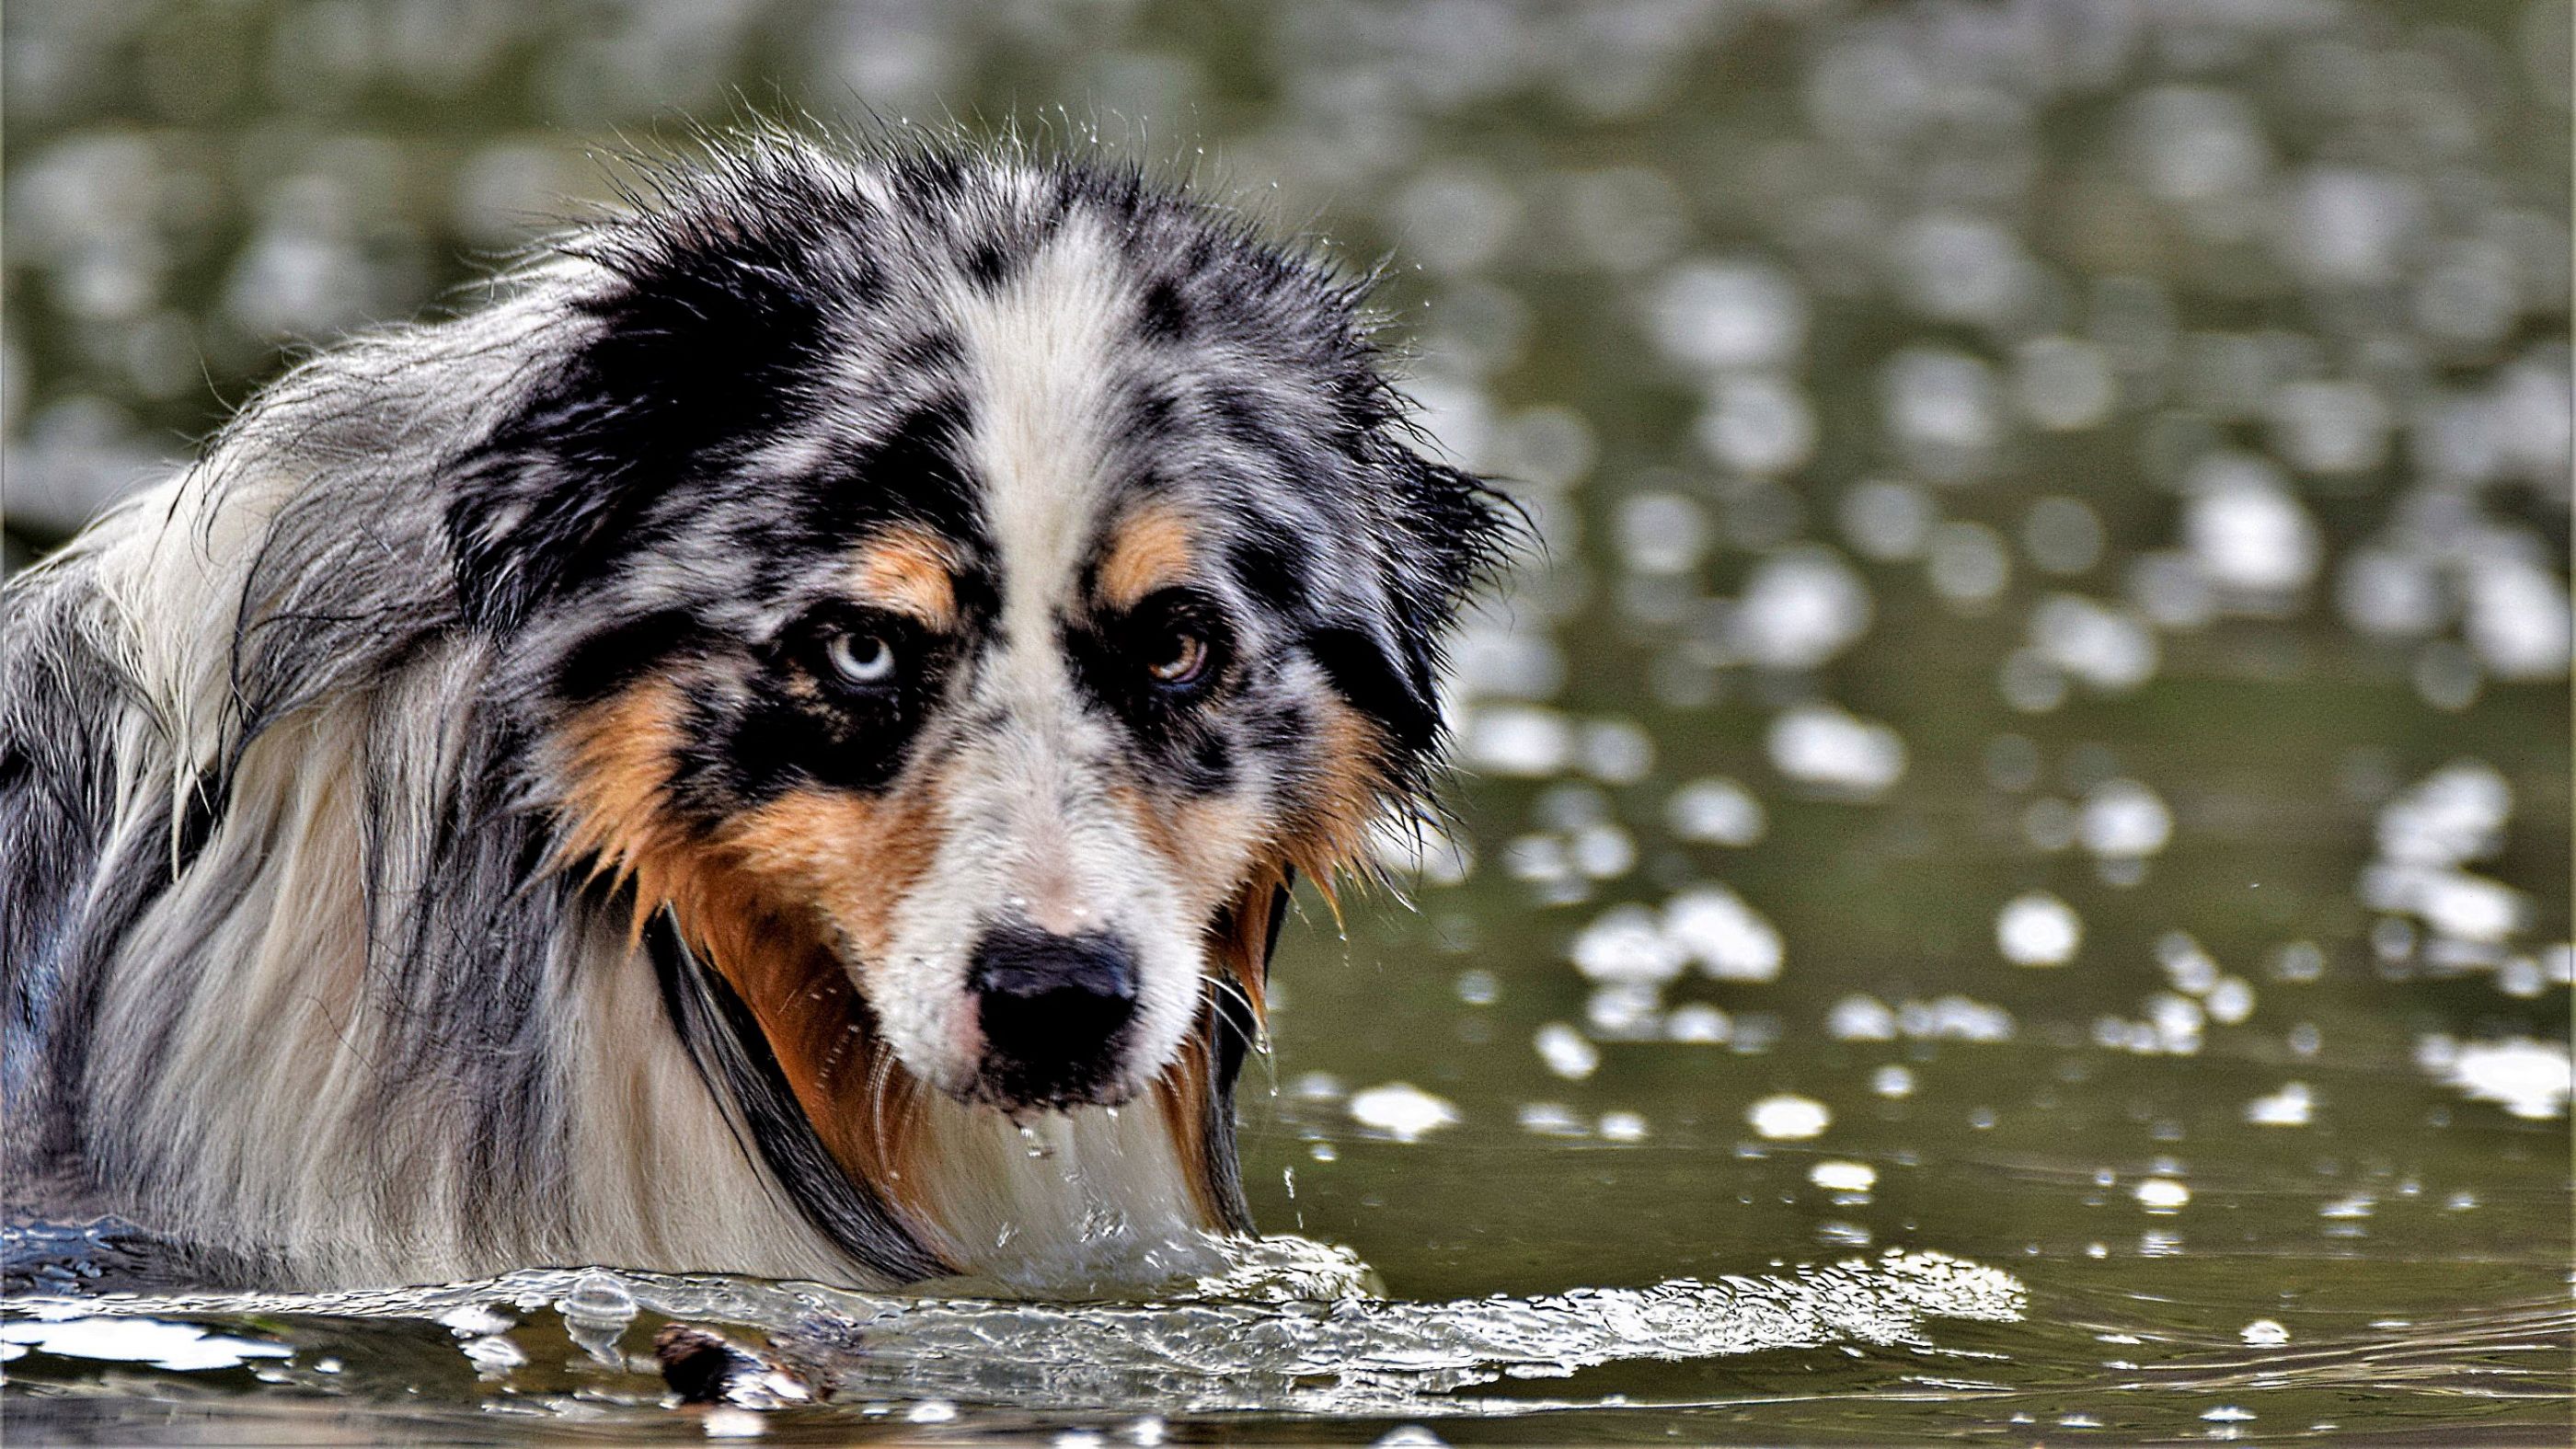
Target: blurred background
(2041,726)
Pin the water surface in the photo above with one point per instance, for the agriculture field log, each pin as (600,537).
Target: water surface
(2011,874)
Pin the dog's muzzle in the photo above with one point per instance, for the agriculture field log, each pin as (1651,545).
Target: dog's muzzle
(1054,1011)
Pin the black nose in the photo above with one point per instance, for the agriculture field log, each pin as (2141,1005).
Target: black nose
(1052,1008)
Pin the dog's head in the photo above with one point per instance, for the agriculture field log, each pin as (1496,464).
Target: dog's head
(963,591)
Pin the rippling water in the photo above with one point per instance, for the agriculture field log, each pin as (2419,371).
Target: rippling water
(1290,1332)
(2012,873)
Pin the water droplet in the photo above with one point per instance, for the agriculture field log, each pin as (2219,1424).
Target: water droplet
(1843,1176)
(493,1354)
(598,1296)
(2162,1194)
(1566,1052)
(1788,1118)
(1402,1111)
(2038,929)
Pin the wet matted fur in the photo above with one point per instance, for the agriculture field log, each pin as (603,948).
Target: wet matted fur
(538,788)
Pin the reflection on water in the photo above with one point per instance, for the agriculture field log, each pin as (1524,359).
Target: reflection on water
(2040,731)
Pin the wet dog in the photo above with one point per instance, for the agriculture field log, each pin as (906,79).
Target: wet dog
(744,754)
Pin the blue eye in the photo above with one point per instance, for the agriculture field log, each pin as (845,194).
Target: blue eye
(861,659)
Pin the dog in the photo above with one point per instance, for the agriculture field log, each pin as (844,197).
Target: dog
(779,745)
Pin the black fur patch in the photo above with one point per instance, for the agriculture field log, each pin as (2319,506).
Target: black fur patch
(1231,1032)
(1164,314)
(909,474)
(1395,693)
(697,351)
(1273,569)
(988,264)
(617,656)
(1178,729)
(796,723)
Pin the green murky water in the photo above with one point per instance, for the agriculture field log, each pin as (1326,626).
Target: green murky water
(2012,874)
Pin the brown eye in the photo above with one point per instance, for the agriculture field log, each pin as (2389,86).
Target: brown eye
(1179,657)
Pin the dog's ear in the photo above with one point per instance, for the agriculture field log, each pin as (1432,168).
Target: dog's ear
(1462,524)
(694,338)
(1452,530)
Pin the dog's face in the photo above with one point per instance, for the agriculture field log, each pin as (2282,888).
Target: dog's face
(962,595)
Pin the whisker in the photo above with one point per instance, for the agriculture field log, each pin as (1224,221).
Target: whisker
(1229,986)
(881,1085)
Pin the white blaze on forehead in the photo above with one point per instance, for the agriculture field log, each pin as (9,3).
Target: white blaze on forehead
(1039,350)
(1031,829)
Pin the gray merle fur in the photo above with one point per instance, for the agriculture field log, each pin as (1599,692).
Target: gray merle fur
(385,589)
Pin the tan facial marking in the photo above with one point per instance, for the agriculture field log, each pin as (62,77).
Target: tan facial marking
(1349,788)
(745,902)
(912,570)
(1203,845)
(1215,852)
(1150,550)
(620,752)
(1181,1093)
(855,857)
(1238,945)
(1229,869)
(851,1087)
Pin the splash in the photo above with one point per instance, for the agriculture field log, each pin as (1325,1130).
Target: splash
(1292,1326)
